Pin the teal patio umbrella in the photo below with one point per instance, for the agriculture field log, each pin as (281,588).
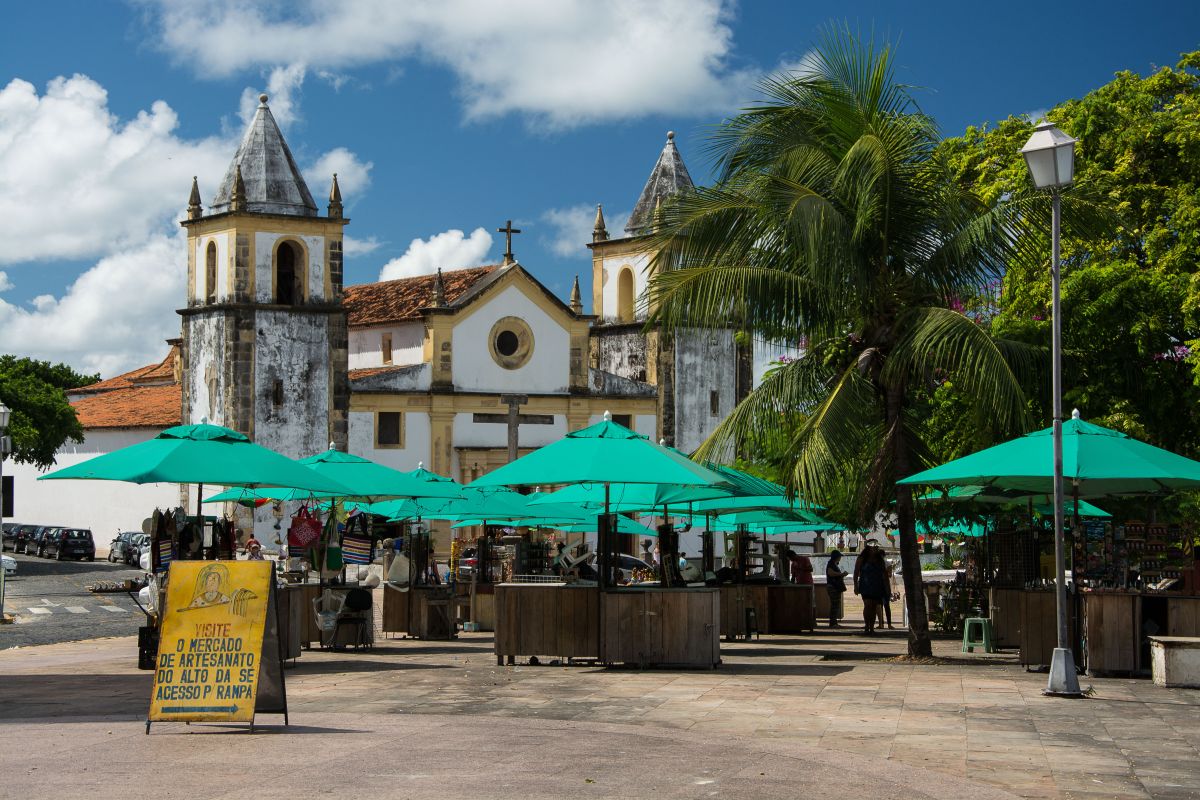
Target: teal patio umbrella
(608,454)
(200,454)
(367,480)
(1096,462)
(604,453)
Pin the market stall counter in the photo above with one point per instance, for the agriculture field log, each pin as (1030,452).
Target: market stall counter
(644,626)
(771,608)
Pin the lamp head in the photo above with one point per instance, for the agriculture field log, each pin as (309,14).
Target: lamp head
(1050,156)
(4,414)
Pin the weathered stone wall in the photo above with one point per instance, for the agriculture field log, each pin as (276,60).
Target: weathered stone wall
(293,383)
(706,365)
(621,350)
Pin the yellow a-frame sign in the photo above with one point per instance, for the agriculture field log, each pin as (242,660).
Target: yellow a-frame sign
(218,649)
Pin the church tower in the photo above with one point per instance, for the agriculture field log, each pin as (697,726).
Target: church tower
(700,375)
(264,330)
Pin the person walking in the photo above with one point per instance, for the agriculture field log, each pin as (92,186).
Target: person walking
(873,586)
(835,584)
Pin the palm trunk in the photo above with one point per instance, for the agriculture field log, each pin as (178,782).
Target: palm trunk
(919,643)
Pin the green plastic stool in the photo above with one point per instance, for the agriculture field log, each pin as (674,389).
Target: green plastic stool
(985,632)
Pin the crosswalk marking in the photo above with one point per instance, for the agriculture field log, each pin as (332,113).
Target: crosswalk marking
(43,610)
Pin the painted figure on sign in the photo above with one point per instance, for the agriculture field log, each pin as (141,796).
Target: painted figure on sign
(212,589)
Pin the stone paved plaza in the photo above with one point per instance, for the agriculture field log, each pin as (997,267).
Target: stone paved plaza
(829,714)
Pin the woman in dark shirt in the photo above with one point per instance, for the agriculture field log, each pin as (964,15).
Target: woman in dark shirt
(835,584)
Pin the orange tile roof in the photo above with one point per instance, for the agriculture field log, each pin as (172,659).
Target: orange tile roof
(132,407)
(402,299)
(162,372)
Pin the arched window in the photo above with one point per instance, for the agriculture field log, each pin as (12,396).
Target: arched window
(625,295)
(210,273)
(289,286)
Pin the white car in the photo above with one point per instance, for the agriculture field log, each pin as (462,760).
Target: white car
(10,566)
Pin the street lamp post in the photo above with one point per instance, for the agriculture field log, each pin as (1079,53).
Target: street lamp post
(4,448)
(1050,155)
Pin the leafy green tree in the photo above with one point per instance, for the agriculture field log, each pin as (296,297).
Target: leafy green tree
(42,419)
(1131,295)
(836,222)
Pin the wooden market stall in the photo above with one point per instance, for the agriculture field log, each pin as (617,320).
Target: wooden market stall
(640,626)
(756,602)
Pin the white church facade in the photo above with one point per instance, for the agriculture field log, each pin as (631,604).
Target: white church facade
(419,370)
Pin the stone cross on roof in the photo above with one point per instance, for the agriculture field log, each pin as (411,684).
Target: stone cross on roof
(508,230)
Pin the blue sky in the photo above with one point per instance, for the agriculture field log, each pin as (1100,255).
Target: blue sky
(442,119)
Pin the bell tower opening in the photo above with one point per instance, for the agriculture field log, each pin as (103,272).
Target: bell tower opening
(288,278)
(210,273)
(625,295)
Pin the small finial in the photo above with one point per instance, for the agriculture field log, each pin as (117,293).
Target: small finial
(420,465)
(608,416)
(335,199)
(204,420)
(195,207)
(599,231)
(576,298)
(1075,413)
(262,100)
(662,442)
(333,445)
(439,290)
(237,201)
(670,136)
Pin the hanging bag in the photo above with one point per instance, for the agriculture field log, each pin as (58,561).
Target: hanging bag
(305,529)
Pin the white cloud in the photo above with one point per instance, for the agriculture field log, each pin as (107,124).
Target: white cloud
(283,91)
(571,228)
(353,246)
(76,182)
(354,176)
(450,249)
(113,318)
(565,62)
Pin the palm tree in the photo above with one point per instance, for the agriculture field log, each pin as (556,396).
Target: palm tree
(834,223)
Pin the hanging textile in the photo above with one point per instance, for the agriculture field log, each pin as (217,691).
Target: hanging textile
(305,529)
(357,549)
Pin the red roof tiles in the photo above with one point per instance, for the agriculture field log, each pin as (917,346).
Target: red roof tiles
(402,299)
(132,407)
(160,373)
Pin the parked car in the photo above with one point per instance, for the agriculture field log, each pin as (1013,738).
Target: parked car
(140,543)
(64,543)
(10,566)
(35,545)
(118,549)
(10,536)
(24,534)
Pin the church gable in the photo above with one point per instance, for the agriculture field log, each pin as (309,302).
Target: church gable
(512,334)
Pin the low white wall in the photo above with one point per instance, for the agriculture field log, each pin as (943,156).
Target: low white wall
(105,507)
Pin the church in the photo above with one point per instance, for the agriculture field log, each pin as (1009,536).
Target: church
(458,370)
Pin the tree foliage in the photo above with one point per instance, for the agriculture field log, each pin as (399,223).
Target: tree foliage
(836,221)
(1131,291)
(42,420)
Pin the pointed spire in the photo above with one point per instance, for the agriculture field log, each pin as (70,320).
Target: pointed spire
(439,291)
(335,199)
(599,232)
(237,199)
(576,298)
(668,178)
(195,207)
(272,183)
